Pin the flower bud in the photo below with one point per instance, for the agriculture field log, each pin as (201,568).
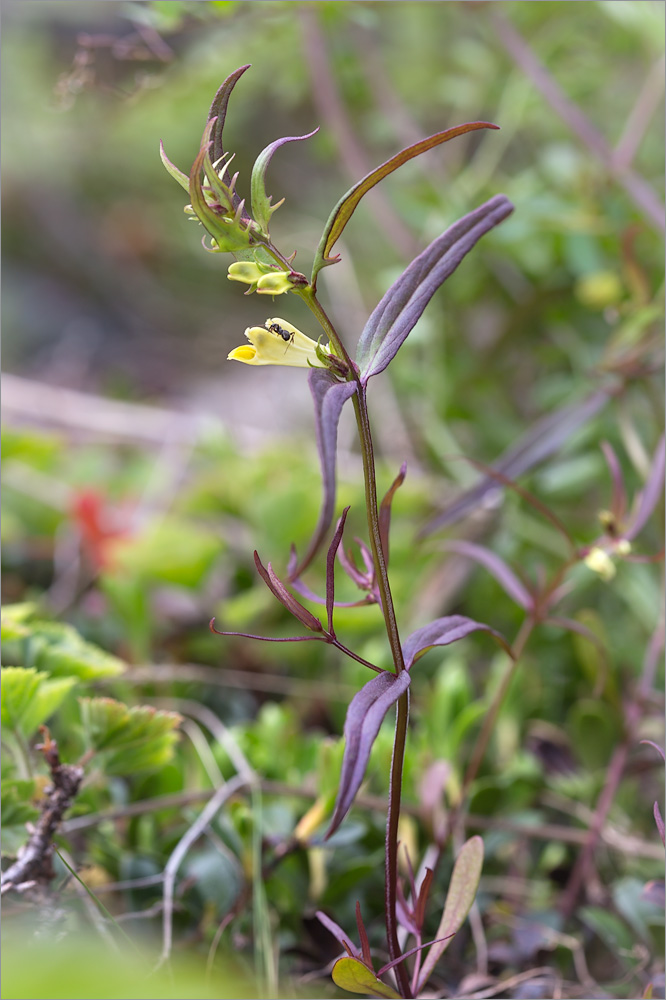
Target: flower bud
(246,271)
(274,283)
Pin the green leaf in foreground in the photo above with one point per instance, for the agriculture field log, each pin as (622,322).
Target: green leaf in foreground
(352,975)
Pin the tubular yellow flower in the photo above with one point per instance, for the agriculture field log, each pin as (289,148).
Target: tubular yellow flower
(277,343)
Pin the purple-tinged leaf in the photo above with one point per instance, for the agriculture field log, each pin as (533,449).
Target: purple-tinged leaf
(305,591)
(402,305)
(424,891)
(361,579)
(462,890)
(329,397)
(353,975)
(571,625)
(546,437)
(528,497)
(261,202)
(442,632)
(336,930)
(497,567)
(650,494)
(656,746)
(404,914)
(268,638)
(385,510)
(218,110)
(363,937)
(330,568)
(279,590)
(408,954)
(618,496)
(345,208)
(364,717)
(660,823)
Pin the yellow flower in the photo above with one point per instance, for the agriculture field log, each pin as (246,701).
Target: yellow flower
(277,343)
(600,562)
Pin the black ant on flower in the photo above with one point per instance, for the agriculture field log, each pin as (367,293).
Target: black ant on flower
(287,336)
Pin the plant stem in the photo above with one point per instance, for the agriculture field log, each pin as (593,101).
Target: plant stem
(402,717)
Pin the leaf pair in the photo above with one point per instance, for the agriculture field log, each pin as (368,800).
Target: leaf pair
(385,332)
(369,706)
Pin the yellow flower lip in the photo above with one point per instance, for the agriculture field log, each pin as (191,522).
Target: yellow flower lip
(277,343)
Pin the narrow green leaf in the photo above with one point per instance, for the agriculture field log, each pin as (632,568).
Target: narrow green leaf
(98,903)
(261,202)
(352,975)
(346,207)
(462,890)
(172,169)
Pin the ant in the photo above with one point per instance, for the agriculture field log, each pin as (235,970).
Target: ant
(286,336)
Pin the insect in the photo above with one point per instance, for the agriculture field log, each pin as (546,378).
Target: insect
(281,332)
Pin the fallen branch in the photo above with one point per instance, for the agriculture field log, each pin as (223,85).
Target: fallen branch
(34,866)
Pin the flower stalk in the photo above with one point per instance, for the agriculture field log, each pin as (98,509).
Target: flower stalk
(333,379)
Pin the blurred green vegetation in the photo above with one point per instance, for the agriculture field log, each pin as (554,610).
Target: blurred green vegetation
(137,540)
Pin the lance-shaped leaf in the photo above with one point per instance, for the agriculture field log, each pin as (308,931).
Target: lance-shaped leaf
(172,169)
(543,439)
(261,202)
(462,890)
(618,504)
(401,308)
(330,567)
(649,495)
(218,111)
(385,510)
(329,396)
(345,208)
(442,632)
(279,591)
(364,717)
(495,565)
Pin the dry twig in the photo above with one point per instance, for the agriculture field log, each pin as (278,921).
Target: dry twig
(34,867)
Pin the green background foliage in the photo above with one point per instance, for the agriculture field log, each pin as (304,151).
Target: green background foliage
(189,463)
